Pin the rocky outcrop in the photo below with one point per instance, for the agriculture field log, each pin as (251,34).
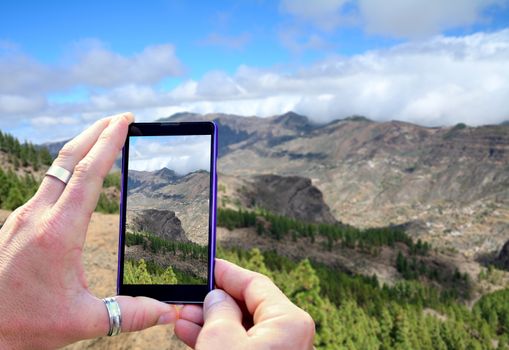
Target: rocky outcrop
(162,223)
(503,257)
(291,196)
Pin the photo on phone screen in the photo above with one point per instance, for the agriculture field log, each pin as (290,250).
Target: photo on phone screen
(167,211)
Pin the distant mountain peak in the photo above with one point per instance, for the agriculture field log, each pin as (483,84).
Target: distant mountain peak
(293,121)
(165,172)
(358,118)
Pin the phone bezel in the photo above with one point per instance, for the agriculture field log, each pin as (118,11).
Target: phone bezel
(180,293)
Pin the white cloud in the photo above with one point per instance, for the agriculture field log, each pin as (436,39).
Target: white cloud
(182,154)
(97,66)
(420,18)
(16,104)
(444,80)
(91,65)
(395,18)
(47,121)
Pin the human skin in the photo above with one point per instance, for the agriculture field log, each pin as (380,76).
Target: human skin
(44,297)
(247,311)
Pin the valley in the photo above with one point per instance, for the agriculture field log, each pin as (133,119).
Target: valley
(395,225)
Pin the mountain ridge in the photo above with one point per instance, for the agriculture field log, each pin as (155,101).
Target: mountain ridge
(398,172)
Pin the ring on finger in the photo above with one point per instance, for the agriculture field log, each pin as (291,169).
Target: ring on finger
(114,315)
(59,173)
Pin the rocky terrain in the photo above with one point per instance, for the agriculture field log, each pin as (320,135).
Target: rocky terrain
(450,184)
(186,196)
(162,223)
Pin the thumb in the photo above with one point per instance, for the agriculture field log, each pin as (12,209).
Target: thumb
(140,312)
(222,326)
(137,313)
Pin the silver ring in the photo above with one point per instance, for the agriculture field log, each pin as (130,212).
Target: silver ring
(114,315)
(59,173)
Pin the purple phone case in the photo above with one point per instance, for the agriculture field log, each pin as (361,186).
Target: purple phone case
(212,241)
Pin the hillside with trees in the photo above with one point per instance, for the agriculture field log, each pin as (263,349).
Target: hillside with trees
(22,166)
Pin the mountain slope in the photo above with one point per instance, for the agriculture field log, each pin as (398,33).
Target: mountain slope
(452,182)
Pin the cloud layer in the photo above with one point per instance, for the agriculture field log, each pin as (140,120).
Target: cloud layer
(439,81)
(182,154)
(398,18)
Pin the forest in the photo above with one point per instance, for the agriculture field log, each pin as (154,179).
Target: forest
(355,312)
(140,271)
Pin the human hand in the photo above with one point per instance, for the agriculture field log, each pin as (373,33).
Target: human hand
(45,301)
(248,312)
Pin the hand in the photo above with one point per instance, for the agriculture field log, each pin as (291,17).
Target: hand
(272,320)
(44,299)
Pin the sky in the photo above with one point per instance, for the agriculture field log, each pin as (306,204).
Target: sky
(65,64)
(182,154)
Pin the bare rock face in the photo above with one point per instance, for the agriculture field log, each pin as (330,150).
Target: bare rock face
(292,196)
(503,257)
(162,223)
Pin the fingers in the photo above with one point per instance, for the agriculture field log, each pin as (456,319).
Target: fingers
(140,312)
(255,289)
(222,322)
(192,313)
(72,152)
(79,198)
(220,306)
(137,313)
(189,324)
(187,331)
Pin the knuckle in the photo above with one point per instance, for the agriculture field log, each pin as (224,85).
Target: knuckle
(82,169)
(48,231)
(67,151)
(21,217)
(307,323)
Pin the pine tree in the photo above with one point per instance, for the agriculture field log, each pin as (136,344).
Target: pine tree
(14,198)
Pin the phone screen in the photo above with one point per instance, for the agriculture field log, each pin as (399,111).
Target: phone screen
(168,175)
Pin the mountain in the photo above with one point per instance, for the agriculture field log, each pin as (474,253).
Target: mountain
(450,185)
(186,197)
(149,181)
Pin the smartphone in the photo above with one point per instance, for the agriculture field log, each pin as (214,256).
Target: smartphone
(168,211)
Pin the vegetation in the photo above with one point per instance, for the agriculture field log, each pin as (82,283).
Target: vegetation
(354,312)
(16,189)
(148,272)
(180,250)
(24,154)
(107,205)
(279,227)
(112,180)
(137,273)
(187,250)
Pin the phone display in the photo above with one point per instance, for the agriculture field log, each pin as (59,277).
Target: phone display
(168,208)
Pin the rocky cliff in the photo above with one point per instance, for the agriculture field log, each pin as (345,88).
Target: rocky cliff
(162,223)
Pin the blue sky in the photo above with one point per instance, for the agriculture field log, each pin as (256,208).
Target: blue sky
(64,64)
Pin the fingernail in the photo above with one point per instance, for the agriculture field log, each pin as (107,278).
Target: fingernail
(215,296)
(169,317)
